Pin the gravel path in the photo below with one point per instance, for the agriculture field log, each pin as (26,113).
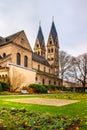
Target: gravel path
(44,101)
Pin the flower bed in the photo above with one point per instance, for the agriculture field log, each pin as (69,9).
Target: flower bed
(15,119)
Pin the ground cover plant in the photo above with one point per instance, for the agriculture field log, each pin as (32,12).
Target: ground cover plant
(72,111)
(22,119)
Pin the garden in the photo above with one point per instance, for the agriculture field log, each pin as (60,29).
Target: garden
(25,116)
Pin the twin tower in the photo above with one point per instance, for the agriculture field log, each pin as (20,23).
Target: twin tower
(51,51)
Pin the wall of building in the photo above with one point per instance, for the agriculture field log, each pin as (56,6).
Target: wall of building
(20,76)
(23,52)
(5,49)
(48,79)
(47,69)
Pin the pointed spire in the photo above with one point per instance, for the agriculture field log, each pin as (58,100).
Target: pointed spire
(53,31)
(52,18)
(40,34)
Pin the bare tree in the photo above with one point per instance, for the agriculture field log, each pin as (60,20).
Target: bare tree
(64,65)
(16,80)
(79,69)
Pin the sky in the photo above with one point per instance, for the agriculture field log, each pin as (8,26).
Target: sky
(70,18)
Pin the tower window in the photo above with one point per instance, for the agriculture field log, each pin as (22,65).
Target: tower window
(52,59)
(37,45)
(50,42)
(48,59)
(55,49)
(18,59)
(25,61)
(48,50)
(51,49)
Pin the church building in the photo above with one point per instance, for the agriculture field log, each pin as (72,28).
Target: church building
(23,66)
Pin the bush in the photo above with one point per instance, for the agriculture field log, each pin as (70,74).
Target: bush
(4,86)
(0,87)
(38,88)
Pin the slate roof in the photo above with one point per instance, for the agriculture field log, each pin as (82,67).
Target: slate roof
(53,31)
(10,38)
(39,59)
(40,35)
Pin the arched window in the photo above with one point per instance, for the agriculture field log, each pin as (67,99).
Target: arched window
(43,81)
(4,54)
(38,67)
(25,61)
(37,45)
(18,59)
(50,42)
(48,50)
(54,82)
(36,78)
(51,49)
(44,69)
(52,59)
(49,82)
(49,71)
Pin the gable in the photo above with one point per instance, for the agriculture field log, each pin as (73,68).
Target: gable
(22,40)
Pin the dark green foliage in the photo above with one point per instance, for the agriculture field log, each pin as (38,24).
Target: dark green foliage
(0,87)
(22,119)
(4,86)
(38,88)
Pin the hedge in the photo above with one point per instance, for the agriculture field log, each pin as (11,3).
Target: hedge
(38,88)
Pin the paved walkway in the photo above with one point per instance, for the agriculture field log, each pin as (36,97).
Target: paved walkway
(44,101)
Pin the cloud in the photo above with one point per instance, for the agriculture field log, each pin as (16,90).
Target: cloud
(69,16)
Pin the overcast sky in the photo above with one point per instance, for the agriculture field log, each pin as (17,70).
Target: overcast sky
(70,17)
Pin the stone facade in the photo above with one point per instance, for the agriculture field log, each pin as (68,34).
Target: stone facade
(18,60)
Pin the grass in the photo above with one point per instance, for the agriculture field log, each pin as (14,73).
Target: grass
(74,110)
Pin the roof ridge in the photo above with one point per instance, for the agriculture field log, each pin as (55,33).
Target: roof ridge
(15,34)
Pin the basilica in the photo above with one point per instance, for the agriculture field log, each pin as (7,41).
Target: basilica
(24,66)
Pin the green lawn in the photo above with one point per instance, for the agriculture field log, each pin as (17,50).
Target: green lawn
(75,110)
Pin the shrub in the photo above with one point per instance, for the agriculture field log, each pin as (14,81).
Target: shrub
(5,86)
(0,87)
(38,88)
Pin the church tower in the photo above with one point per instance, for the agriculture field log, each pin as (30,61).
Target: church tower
(53,50)
(39,47)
